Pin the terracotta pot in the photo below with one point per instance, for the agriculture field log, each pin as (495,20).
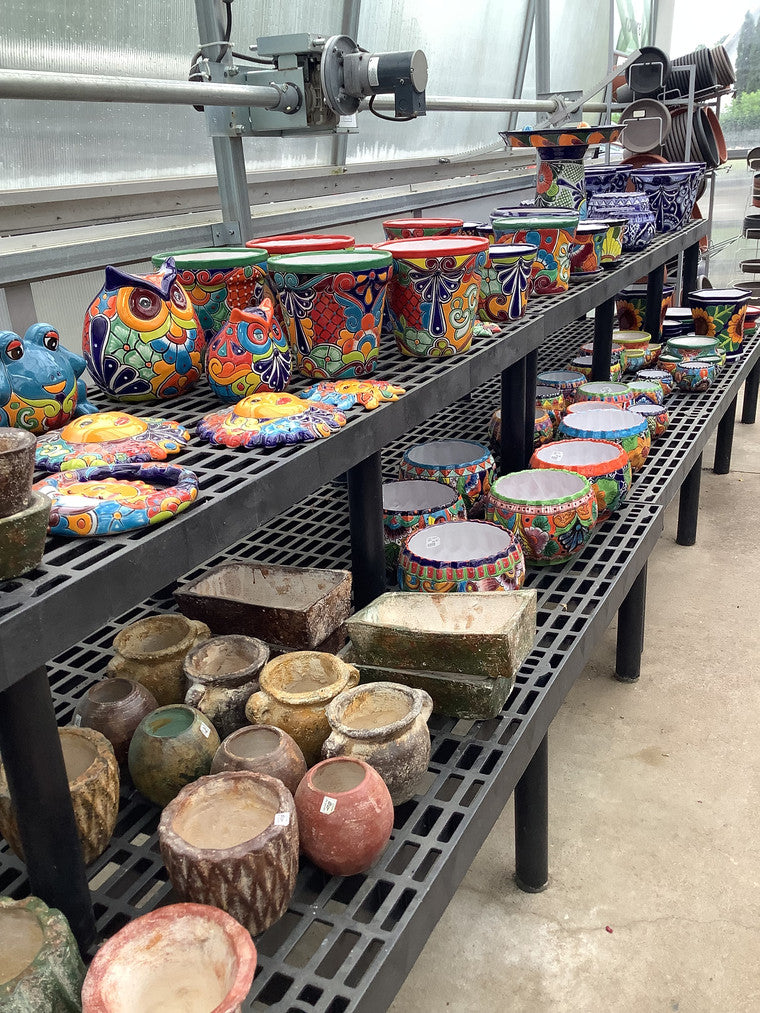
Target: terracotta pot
(222,673)
(171,747)
(263,749)
(93,776)
(603,463)
(17,449)
(182,958)
(295,690)
(115,707)
(385,725)
(231,840)
(152,651)
(345,815)
(40,967)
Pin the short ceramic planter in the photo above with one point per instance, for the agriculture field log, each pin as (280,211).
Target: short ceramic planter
(506,281)
(632,340)
(345,815)
(40,967)
(553,235)
(564,381)
(634,207)
(625,427)
(603,463)
(543,431)
(115,707)
(720,313)
(668,362)
(172,957)
(661,376)
(462,556)
(417,228)
(585,364)
(694,376)
(631,306)
(231,841)
(618,395)
(467,466)
(691,346)
(588,349)
(248,355)
(586,251)
(645,392)
(551,399)
(295,691)
(171,747)
(606,178)
(301,242)
(263,749)
(411,505)
(657,418)
(222,673)
(552,512)
(384,724)
(612,243)
(672,192)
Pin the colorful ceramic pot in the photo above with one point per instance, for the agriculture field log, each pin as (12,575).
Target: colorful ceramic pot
(185,956)
(461,556)
(345,815)
(603,463)
(565,381)
(634,207)
(263,749)
(141,338)
(720,313)
(668,362)
(412,505)
(588,349)
(479,229)
(333,303)
(691,346)
(222,673)
(616,394)
(606,178)
(40,385)
(694,375)
(543,431)
(248,355)
(465,465)
(625,427)
(646,392)
(170,748)
(715,360)
(434,293)
(110,438)
(115,707)
(672,191)
(612,243)
(631,306)
(231,841)
(301,242)
(585,364)
(417,228)
(586,250)
(553,235)
(552,400)
(657,419)
(552,512)
(661,376)
(506,282)
(267,420)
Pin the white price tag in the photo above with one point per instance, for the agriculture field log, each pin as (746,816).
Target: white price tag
(432,542)
(205,730)
(282,819)
(556,455)
(328,805)
(77,720)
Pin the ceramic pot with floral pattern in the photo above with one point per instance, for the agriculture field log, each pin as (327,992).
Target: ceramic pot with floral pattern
(465,465)
(720,313)
(553,235)
(461,556)
(412,504)
(623,426)
(605,464)
(506,282)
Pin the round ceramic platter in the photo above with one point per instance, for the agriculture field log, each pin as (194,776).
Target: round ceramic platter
(266,420)
(562,137)
(329,261)
(344,394)
(109,438)
(301,243)
(226,259)
(113,498)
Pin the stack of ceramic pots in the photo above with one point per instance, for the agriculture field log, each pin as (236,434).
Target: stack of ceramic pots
(631,306)
(23,513)
(634,207)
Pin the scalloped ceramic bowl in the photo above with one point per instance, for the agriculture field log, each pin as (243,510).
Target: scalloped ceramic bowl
(657,417)
(564,381)
(412,505)
(661,376)
(646,392)
(690,346)
(605,464)
(616,394)
(462,556)
(694,376)
(625,427)
(466,465)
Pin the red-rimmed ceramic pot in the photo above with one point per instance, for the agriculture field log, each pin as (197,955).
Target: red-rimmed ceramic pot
(551,512)
(461,556)
(465,465)
(262,749)
(616,394)
(625,427)
(720,313)
(418,228)
(657,418)
(411,505)
(553,235)
(605,464)
(506,282)
(183,956)
(586,250)
(301,242)
(645,392)
(565,381)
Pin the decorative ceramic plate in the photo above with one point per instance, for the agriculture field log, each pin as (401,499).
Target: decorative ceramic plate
(110,499)
(109,438)
(345,394)
(561,137)
(265,420)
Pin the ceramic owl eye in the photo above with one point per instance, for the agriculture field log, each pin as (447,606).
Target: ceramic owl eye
(141,336)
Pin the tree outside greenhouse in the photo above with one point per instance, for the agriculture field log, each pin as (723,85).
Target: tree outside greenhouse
(741,119)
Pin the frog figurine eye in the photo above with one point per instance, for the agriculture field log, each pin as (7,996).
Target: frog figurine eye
(14,350)
(51,340)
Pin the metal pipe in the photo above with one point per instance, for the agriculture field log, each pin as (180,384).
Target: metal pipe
(532,822)
(630,631)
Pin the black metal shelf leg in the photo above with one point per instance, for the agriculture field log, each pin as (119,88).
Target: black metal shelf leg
(531,368)
(630,630)
(688,505)
(365,507)
(513,395)
(33,760)
(532,822)
(604,317)
(689,274)
(654,303)
(749,402)
(725,440)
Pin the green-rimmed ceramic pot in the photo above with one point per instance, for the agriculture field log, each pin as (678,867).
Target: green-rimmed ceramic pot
(411,505)
(462,556)
(551,512)
(584,364)
(605,464)
(720,313)
(625,427)
(565,381)
(506,282)
(646,392)
(332,304)
(657,418)
(694,376)
(616,394)
(419,228)
(691,346)
(661,376)
(553,235)
(466,465)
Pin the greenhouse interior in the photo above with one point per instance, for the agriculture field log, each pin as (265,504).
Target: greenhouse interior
(375,381)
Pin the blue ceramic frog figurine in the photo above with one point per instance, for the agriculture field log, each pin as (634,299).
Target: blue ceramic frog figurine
(40,387)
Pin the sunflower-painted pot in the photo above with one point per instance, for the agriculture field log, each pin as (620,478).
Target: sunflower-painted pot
(720,313)
(506,282)
(564,381)
(412,505)
(646,392)
(694,375)
(462,556)
(552,512)
(584,364)
(631,306)
(623,426)
(691,346)
(332,303)
(605,464)
(553,235)
(618,395)
(249,355)
(417,228)
(657,419)
(661,376)
(465,465)
(586,250)
(141,337)
(552,400)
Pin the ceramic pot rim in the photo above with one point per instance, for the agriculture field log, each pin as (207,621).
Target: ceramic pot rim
(367,770)
(239,733)
(125,634)
(100,744)
(301,242)
(719,296)
(506,250)
(591,227)
(343,670)
(221,258)
(481,459)
(184,707)
(38,909)
(19,441)
(579,494)
(337,708)
(632,291)
(243,674)
(443,501)
(425,223)
(605,388)
(617,459)
(644,386)
(537,223)
(637,424)
(552,393)
(329,261)
(440,566)
(570,377)
(654,410)
(434,247)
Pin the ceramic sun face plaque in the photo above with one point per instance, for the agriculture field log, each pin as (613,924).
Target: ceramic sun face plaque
(111,499)
(110,438)
(345,394)
(266,420)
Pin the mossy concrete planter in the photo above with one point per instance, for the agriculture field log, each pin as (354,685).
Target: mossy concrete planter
(263,749)
(17,449)
(222,673)
(22,538)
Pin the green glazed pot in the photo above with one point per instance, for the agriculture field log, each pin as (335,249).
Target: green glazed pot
(553,235)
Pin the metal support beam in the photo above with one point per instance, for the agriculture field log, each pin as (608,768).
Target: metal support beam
(690,266)
(654,303)
(532,822)
(531,368)
(21,308)
(365,508)
(543,47)
(724,441)
(349,26)
(513,418)
(749,401)
(630,630)
(522,58)
(688,505)
(604,316)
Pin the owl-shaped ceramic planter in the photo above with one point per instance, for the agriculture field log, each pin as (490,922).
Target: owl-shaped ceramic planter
(141,337)
(249,355)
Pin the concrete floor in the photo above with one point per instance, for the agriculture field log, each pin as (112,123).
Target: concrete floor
(653,809)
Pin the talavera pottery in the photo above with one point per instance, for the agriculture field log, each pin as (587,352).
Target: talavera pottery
(669,360)
(631,306)
(586,406)
(220,279)
(40,967)
(110,438)
(465,465)
(625,427)
(231,841)
(657,419)
(612,242)
(543,431)
(661,376)
(17,450)
(141,337)
(672,191)
(249,354)
(505,285)
(694,375)
(291,606)
(93,776)
(263,749)
(611,178)
(385,725)
(332,303)
(618,395)
(691,346)
(171,747)
(434,292)
(552,512)
(23,513)
(345,394)
(564,381)
(414,504)
(720,313)
(480,634)
(551,399)
(295,690)
(115,707)
(345,815)
(108,499)
(634,207)
(585,363)
(553,235)
(266,420)
(191,954)
(461,556)
(152,652)
(416,228)
(40,385)
(603,463)
(588,349)
(301,242)
(645,392)
(586,251)
(222,673)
